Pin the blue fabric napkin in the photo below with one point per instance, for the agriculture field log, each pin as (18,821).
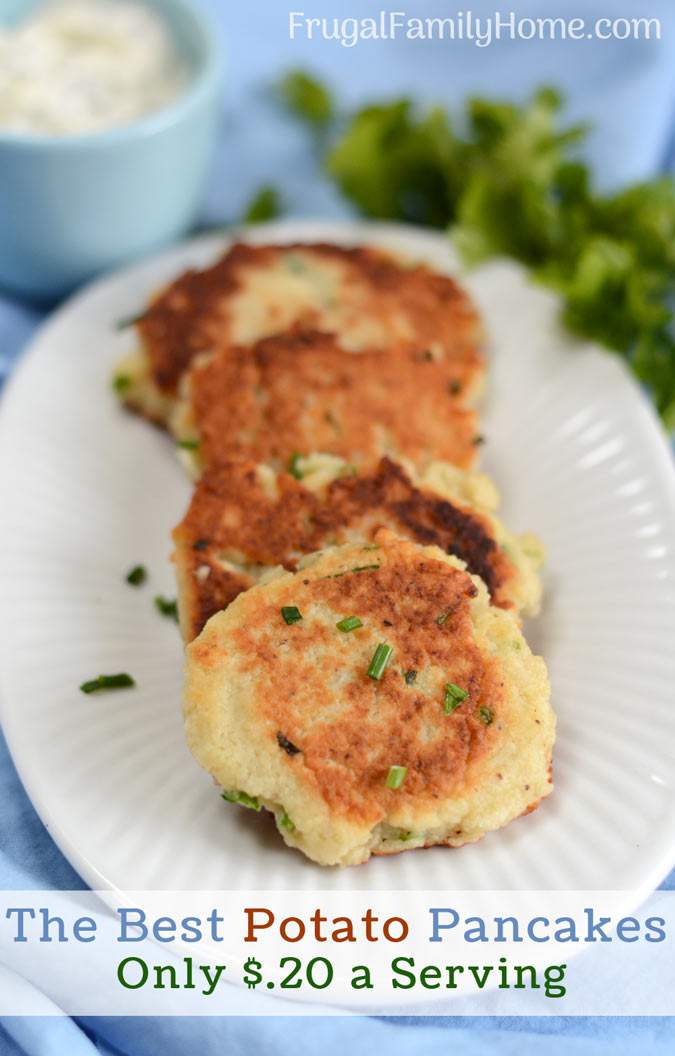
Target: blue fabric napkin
(627,89)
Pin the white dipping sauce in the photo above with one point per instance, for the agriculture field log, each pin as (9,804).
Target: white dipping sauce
(78,66)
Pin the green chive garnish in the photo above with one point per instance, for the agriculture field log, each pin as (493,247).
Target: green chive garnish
(137,575)
(454,696)
(405,836)
(396,776)
(265,205)
(122,681)
(167,607)
(294,466)
(120,383)
(291,613)
(188,445)
(381,658)
(350,623)
(410,676)
(295,264)
(349,470)
(440,620)
(359,568)
(485,716)
(242,798)
(286,823)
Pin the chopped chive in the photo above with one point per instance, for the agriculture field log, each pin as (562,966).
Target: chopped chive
(288,746)
(359,568)
(129,320)
(349,470)
(291,613)
(286,823)
(478,440)
(454,695)
(294,466)
(295,264)
(396,776)
(404,836)
(440,620)
(167,607)
(410,676)
(485,716)
(121,383)
(242,798)
(265,205)
(350,623)
(381,658)
(188,445)
(137,575)
(121,681)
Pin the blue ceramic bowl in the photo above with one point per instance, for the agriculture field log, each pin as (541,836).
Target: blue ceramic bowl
(74,206)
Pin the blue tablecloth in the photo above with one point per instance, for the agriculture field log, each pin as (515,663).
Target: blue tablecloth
(627,88)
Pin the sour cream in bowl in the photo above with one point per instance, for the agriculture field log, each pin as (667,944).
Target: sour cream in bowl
(79,66)
(107,118)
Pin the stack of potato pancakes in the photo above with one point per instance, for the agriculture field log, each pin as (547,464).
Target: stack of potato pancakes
(352,602)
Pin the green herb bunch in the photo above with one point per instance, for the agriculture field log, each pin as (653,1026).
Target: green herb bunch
(508,182)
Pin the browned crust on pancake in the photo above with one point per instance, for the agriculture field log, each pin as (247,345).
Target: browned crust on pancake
(191,316)
(300,392)
(310,683)
(232,517)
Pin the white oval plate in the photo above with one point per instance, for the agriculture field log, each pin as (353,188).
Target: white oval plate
(87,491)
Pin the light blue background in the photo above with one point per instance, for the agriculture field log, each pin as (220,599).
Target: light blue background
(628,90)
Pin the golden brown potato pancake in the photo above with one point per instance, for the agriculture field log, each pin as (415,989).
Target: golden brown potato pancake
(245,519)
(367,298)
(299,392)
(427,722)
